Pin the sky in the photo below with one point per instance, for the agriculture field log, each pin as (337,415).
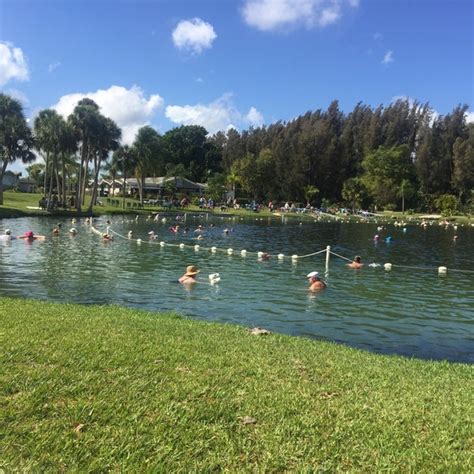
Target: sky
(233,63)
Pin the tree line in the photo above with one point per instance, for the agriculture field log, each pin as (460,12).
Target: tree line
(400,156)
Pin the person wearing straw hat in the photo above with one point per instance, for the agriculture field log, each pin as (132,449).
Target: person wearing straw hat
(190,275)
(315,282)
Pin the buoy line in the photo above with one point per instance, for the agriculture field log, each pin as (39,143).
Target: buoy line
(442,270)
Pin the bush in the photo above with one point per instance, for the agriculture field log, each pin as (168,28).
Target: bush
(447,204)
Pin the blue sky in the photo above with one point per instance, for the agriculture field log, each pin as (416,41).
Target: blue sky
(235,63)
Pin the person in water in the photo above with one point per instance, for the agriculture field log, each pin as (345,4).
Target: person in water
(7,236)
(315,282)
(357,263)
(55,231)
(190,275)
(29,236)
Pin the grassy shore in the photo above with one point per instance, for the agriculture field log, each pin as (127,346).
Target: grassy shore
(17,204)
(107,388)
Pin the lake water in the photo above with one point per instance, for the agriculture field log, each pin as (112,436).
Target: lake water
(413,312)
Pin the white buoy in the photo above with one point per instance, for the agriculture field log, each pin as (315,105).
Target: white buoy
(281,256)
(213,249)
(442,270)
(388,267)
(196,248)
(230,251)
(259,254)
(294,257)
(162,244)
(181,246)
(139,241)
(163,220)
(243,253)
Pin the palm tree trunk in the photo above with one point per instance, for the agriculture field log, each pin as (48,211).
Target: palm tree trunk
(95,184)
(85,179)
(63,174)
(79,178)
(114,174)
(2,174)
(124,185)
(45,174)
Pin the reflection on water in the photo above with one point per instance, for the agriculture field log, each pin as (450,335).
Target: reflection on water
(406,311)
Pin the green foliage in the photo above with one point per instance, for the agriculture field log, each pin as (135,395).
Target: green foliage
(355,193)
(447,204)
(387,170)
(16,139)
(216,187)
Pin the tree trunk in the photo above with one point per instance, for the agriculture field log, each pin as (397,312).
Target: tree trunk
(114,173)
(50,191)
(85,178)
(45,174)
(79,179)
(2,174)
(124,185)
(94,185)
(63,174)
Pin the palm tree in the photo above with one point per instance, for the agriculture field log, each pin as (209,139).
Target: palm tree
(84,121)
(105,142)
(47,128)
(310,192)
(16,139)
(124,157)
(232,180)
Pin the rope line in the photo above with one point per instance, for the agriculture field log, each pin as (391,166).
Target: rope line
(340,256)
(216,249)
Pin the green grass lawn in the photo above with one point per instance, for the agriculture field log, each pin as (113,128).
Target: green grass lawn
(88,388)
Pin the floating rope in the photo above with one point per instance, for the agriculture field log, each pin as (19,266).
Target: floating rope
(230,251)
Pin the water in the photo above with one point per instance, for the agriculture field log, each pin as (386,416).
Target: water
(406,311)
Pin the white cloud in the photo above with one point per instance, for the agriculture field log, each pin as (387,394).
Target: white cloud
(220,114)
(129,108)
(469,117)
(53,66)
(194,35)
(12,64)
(388,58)
(254,117)
(268,15)
(16,94)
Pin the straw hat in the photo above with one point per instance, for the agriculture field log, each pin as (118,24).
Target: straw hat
(191,270)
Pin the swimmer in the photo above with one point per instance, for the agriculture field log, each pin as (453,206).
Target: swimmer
(107,237)
(7,235)
(315,282)
(199,237)
(108,222)
(73,231)
(200,228)
(226,231)
(376,238)
(190,275)
(356,263)
(152,235)
(157,217)
(455,238)
(388,239)
(73,221)
(55,231)
(130,234)
(29,236)
(265,256)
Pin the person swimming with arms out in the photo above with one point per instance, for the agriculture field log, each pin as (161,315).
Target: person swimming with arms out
(189,276)
(315,282)
(29,236)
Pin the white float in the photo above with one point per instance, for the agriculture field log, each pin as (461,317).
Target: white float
(230,251)
(388,267)
(196,248)
(162,244)
(181,246)
(243,253)
(213,249)
(281,256)
(442,270)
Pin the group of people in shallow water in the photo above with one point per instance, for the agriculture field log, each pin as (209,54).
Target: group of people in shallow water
(28,236)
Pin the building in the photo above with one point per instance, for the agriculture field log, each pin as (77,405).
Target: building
(10,179)
(154,186)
